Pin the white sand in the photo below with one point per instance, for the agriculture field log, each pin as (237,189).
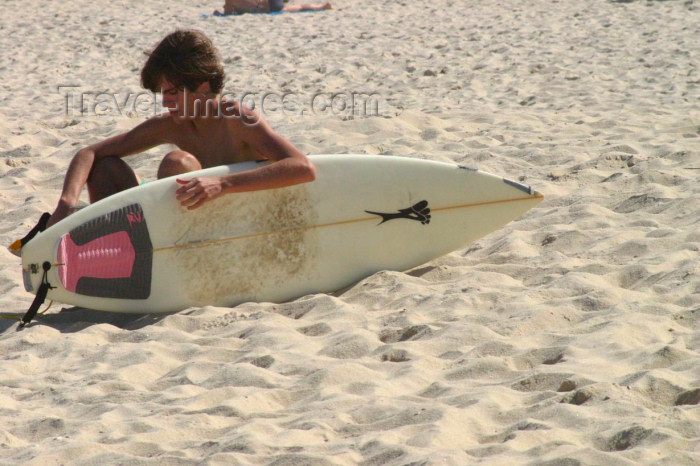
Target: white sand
(571,336)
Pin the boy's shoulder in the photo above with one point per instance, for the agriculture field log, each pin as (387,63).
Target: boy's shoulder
(161,121)
(239,115)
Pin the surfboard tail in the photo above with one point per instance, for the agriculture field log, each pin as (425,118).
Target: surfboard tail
(16,247)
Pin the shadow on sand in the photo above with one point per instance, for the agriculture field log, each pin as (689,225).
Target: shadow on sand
(75,319)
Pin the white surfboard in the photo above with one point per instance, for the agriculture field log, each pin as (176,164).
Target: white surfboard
(140,251)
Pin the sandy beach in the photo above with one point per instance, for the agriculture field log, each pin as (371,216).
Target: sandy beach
(569,337)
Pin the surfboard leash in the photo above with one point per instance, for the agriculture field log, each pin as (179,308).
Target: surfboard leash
(40,296)
(46,266)
(19,319)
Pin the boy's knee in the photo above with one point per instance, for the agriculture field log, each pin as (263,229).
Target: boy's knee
(105,167)
(178,157)
(177,162)
(109,175)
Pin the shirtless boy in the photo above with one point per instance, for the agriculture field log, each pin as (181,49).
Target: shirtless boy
(187,69)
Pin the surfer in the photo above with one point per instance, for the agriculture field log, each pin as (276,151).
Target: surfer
(239,7)
(208,131)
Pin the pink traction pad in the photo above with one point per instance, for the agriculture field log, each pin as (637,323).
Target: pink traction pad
(110,256)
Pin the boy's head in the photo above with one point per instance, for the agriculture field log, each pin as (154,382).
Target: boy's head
(185,58)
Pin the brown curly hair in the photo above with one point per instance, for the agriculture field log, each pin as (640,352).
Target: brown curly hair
(185,58)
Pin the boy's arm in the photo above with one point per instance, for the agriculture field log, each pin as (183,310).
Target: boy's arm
(144,136)
(290,167)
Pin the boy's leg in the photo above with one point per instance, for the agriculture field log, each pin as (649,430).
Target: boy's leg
(108,176)
(307,7)
(178,162)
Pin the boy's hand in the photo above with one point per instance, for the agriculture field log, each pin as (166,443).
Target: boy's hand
(195,192)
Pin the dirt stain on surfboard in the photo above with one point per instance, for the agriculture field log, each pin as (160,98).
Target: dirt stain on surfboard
(242,244)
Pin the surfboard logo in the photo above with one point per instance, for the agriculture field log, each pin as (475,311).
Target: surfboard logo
(419,212)
(134,217)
